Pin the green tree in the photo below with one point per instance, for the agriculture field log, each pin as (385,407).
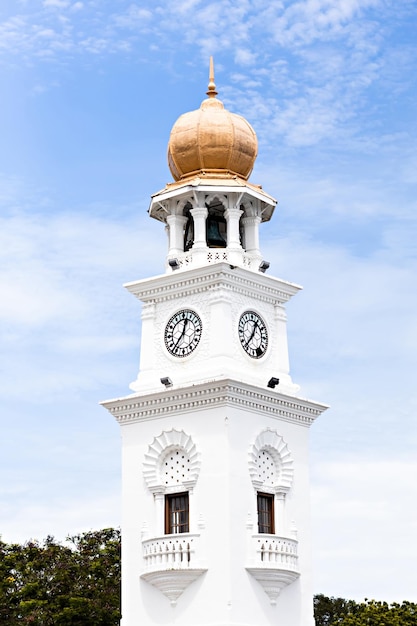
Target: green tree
(373,613)
(332,611)
(50,584)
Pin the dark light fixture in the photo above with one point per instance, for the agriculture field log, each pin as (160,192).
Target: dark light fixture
(174,264)
(264,266)
(166,381)
(273,382)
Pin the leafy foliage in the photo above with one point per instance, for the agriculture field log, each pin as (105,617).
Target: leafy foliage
(78,584)
(332,611)
(50,584)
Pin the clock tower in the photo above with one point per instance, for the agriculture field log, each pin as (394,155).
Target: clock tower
(215,489)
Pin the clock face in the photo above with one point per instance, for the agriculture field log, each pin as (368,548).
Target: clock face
(183,333)
(253,334)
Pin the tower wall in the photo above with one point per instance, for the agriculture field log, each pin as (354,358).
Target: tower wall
(216,524)
(228,427)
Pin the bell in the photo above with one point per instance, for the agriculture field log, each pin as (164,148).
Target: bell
(189,233)
(214,237)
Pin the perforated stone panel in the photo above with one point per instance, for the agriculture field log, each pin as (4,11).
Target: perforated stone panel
(267,470)
(172,459)
(270,462)
(175,468)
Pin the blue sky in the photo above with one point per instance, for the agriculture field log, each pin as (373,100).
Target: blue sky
(89,93)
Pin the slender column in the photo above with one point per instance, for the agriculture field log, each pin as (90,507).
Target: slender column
(279,515)
(176,225)
(199,216)
(160,512)
(221,319)
(281,352)
(251,556)
(251,230)
(147,348)
(232,217)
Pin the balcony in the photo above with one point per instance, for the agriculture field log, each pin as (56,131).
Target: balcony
(273,562)
(172,563)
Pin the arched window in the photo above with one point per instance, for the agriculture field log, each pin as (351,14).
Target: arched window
(171,469)
(271,471)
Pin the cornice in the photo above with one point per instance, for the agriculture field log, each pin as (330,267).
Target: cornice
(226,392)
(224,186)
(217,276)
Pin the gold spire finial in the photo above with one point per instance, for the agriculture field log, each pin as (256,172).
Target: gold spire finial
(212,93)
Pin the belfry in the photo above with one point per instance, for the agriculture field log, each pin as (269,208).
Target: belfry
(215,485)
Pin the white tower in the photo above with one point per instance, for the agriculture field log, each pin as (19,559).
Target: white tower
(216,527)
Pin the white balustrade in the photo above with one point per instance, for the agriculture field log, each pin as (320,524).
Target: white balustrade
(271,551)
(216,255)
(171,552)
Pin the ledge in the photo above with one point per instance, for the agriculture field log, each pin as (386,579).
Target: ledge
(272,580)
(172,583)
(225,392)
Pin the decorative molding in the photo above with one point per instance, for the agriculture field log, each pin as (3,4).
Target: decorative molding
(273,580)
(200,186)
(226,392)
(279,475)
(200,280)
(170,442)
(172,583)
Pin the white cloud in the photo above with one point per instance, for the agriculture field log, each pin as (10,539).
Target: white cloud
(245,57)
(321,87)
(60,515)
(134,17)
(363,513)
(59,4)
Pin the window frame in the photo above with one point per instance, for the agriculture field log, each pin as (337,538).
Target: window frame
(180,526)
(268,521)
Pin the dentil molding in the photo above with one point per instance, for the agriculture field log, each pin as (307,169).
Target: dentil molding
(226,392)
(203,279)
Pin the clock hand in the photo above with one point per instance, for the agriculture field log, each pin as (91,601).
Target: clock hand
(255,326)
(182,333)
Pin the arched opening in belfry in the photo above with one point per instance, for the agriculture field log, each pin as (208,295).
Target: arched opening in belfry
(189,227)
(216,226)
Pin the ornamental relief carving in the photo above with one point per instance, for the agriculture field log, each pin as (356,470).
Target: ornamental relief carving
(172,462)
(270,463)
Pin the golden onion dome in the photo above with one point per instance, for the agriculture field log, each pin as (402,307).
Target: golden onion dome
(212,141)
